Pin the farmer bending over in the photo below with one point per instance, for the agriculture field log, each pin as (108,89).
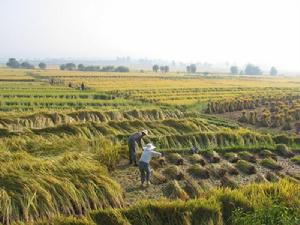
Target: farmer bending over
(132,140)
(144,165)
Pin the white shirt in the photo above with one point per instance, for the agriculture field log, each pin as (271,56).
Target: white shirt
(148,154)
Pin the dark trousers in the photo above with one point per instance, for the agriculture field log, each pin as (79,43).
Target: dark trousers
(145,171)
(132,154)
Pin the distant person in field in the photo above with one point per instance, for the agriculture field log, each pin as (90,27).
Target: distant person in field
(144,163)
(194,150)
(133,140)
(82,86)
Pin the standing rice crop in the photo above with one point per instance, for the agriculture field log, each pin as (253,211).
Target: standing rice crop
(33,188)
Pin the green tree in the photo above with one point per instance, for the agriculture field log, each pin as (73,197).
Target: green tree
(71,66)
(81,67)
(234,70)
(167,69)
(188,69)
(122,69)
(162,69)
(27,65)
(62,66)
(88,68)
(155,68)
(193,68)
(273,71)
(42,65)
(13,63)
(253,70)
(68,66)
(108,68)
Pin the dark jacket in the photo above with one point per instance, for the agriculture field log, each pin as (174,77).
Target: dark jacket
(136,138)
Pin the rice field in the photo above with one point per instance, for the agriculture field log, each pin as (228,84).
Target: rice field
(63,149)
(29,90)
(7,75)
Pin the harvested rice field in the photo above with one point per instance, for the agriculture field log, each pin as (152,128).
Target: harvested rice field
(64,153)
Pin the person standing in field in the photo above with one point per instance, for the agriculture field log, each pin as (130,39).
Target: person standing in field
(134,139)
(144,163)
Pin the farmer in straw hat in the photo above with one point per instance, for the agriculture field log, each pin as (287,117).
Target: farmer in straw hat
(134,139)
(144,165)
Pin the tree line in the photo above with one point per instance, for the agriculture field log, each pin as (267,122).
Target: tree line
(13,63)
(191,68)
(81,67)
(164,69)
(252,70)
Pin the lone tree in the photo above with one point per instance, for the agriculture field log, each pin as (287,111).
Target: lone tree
(81,67)
(42,65)
(234,70)
(193,68)
(13,63)
(253,70)
(62,67)
(164,69)
(273,71)
(155,68)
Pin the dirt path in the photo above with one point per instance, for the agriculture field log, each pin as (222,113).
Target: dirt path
(129,179)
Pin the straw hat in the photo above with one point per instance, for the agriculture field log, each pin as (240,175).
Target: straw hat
(149,146)
(145,132)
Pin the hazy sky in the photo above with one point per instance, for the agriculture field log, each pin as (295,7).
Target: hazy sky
(259,31)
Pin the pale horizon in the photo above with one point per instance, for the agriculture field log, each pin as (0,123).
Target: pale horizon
(265,33)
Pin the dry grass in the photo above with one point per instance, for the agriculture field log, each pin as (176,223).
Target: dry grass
(212,156)
(272,177)
(157,178)
(192,188)
(198,171)
(231,169)
(271,164)
(260,178)
(197,159)
(283,150)
(227,181)
(246,167)
(296,160)
(175,158)
(268,154)
(231,157)
(245,155)
(217,171)
(158,163)
(174,172)
(174,191)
